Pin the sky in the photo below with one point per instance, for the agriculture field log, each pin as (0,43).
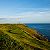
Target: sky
(24,11)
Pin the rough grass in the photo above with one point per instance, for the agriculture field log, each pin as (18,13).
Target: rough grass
(20,37)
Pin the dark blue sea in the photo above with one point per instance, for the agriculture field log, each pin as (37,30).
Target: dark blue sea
(43,29)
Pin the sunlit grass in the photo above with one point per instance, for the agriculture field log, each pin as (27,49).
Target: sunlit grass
(21,37)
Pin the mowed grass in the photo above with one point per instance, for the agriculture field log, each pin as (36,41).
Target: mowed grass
(20,37)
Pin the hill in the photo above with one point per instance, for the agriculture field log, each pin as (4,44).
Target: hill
(20,37)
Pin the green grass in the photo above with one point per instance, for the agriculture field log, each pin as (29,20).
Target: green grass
(20,37)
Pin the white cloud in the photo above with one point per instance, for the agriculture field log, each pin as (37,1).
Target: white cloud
(7,16)
(30,17)
(35,17)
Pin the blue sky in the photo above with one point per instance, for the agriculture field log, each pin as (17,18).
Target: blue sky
(24,11)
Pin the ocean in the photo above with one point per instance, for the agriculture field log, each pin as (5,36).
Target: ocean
(43,29)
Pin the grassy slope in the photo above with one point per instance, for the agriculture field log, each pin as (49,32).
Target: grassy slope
(21,37)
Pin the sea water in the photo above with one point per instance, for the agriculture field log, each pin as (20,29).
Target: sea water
(43,29)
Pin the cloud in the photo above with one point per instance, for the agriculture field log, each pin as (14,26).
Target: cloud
(34,14)
(35,17)
(28,17)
